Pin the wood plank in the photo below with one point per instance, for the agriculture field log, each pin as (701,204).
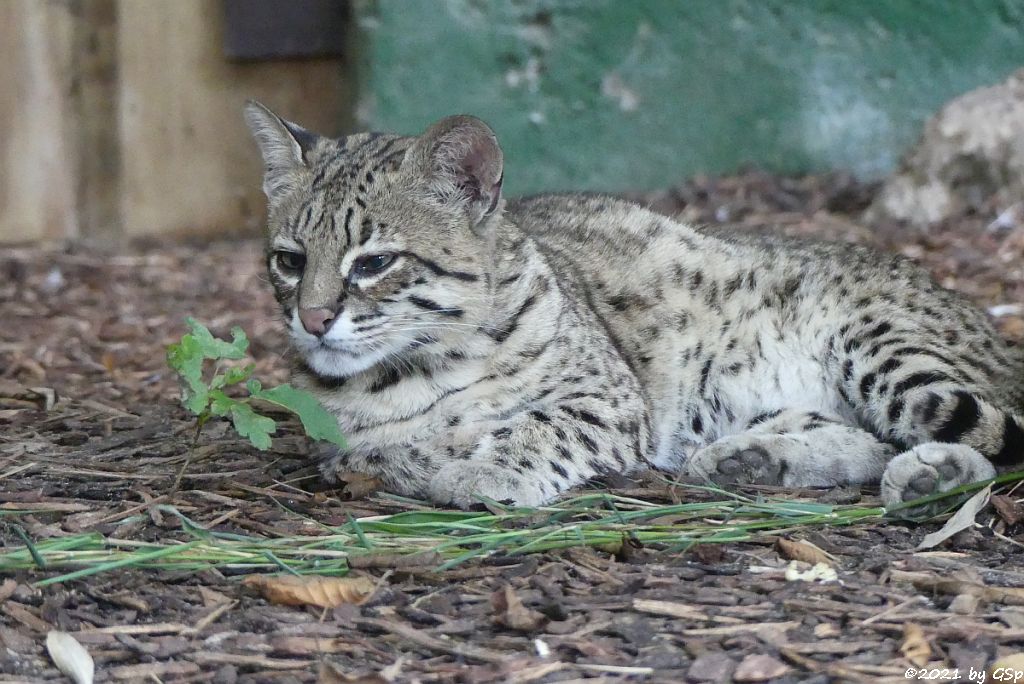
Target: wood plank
(188,163)
(37,150)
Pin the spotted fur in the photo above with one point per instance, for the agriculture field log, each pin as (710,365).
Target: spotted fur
(514,350)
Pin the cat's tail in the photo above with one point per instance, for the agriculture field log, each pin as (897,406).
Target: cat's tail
(955,415)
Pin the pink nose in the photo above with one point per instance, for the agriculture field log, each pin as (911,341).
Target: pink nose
(316,321)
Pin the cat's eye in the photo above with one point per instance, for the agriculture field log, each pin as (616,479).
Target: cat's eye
(290,262)
(372,264)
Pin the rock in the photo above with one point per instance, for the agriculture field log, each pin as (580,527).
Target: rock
(759,668)
(711,667)
(970,157)
(964,604)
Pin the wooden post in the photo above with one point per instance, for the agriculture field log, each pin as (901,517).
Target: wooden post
(122,118)
(189,164)
(38,150)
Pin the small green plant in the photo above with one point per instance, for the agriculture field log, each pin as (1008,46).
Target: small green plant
(207,398)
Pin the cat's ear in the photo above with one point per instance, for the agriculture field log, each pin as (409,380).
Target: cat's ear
(462,163)
(285,147)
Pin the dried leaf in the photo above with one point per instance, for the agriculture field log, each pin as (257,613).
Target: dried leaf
(307,590)
(960,521)
(70,657)
(1008,509)
(798,549)
(915,646)
(510,611)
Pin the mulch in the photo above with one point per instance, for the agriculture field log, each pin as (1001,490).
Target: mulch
(90,426)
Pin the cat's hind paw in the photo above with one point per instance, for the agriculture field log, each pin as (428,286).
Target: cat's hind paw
(932,468)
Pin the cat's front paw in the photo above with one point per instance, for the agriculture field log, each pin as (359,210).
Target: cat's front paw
(332,461)
(463,483)
(932,468)
(737,460)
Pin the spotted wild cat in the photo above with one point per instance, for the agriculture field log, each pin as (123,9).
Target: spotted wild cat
(470,346)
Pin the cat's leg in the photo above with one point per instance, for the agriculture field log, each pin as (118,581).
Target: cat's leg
(794,449)
(532,457)
(929,399)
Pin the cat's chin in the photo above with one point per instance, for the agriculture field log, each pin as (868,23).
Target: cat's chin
(331,363)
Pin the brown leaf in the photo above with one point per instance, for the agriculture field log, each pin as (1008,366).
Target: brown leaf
(7,589)
(759,668)
(1008,509)
(915,646)
(798,549)
(510,611)
(325,592)
(358,485)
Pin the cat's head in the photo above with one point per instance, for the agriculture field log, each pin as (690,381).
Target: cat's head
(378,244)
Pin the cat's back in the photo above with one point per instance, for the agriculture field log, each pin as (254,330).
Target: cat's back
(602,234)
(614,243)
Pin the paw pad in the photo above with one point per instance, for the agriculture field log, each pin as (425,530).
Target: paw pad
(748,465)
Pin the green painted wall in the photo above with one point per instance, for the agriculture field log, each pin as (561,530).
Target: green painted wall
(638,94)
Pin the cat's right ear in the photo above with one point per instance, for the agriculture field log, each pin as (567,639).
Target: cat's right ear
(285,148)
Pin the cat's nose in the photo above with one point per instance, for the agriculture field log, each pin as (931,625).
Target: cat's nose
(316,321)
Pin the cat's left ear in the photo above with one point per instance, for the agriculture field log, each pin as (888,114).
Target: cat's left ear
(285,148)
(463,164)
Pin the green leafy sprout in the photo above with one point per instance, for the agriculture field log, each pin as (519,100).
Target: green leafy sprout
(207,399)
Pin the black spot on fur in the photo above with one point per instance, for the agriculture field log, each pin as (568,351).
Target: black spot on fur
(705,373)
(587,441)
(895,409)
(963,419)
(763,417)
(436,269)
(867,383)
(697,425)
(879,330)
(512,323)
(1013,443)
(931,407)
(431,305)
(919,380)
(388,378)
(585,416)
(889,366)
